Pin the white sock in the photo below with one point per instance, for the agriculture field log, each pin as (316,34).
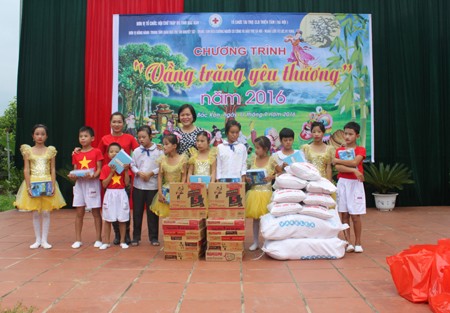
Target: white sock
(256,232)
(37,226)
(45,226)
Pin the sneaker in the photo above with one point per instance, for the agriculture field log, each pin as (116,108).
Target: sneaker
(155,242)
(350,248)
(123,245)
(104,246)
(135,243)
(254,247)
(77,244)
(46,245)
(35,245)
(98,244)
(359,249)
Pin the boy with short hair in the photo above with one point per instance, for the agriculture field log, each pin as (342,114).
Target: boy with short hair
(287,137)
(86,193)
(351,197)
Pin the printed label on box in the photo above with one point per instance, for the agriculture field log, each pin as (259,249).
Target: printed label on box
(183,255)
(188,195)
(184,245)
(188,213)
(223,256)
(226,195)
(191,234)
(226,213)
(226,245)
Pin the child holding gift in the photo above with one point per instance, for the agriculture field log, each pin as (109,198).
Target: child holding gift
(350,188)
(116,206)
(87,192)
(39,165)
(258,197)
(203,159)
(171,170)
(231,155)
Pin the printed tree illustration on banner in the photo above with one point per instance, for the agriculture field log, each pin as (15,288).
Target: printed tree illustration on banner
(134,89)
(354,86)
(225,89)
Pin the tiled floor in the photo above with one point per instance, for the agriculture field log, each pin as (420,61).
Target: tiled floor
(139,280)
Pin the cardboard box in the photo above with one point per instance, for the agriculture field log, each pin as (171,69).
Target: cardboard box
(223,256)
(185,235)
(225,233)
(179,245)
(199,222)
(226,195)
(225,222)
(183,255)
(221,227)
(226,213)
(226,245)
(183,224)
(188,196)
(225,238)
(188,213)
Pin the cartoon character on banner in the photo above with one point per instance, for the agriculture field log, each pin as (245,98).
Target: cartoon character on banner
(299,55)
(130,120)
(322,116)
(151,123)
(169,128)
(244,140)
(271,133)
(216,136)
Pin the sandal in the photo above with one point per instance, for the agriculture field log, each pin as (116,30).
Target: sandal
(350,248)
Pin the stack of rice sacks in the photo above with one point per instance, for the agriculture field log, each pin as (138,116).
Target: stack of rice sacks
(301,224)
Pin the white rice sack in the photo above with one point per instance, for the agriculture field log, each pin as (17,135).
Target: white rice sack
(281,209)
(317,211)
(300,226)
(322,185)
(304,170)
(288,195)
(289,181)
(305,249)
(319,199)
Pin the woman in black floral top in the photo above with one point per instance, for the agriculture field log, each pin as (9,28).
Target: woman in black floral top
(188,130)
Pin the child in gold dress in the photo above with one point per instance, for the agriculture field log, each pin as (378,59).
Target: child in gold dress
(258,197)
(318,153)
(171,170)
(203,159)
(39,166)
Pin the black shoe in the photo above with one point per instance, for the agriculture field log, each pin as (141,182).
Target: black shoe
(135,243)
(127,238)
(116,239)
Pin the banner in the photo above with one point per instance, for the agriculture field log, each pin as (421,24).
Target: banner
(266,70)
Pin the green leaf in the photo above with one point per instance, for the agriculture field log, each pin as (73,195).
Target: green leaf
(385,178)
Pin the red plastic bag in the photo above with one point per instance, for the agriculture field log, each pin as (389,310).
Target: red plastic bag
(439,293)
(411,271)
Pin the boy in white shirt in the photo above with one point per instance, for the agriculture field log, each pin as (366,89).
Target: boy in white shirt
(145,186)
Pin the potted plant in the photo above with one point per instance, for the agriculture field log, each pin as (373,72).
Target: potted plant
(385,179)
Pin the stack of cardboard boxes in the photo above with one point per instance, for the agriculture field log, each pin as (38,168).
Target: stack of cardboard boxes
(225,226)
(185,229)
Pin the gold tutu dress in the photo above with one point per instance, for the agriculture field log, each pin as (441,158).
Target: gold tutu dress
(319,160)
(202,167)
(39,171)
(258,197)
(171,174)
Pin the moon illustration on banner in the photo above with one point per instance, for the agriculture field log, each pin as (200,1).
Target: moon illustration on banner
(320,29)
